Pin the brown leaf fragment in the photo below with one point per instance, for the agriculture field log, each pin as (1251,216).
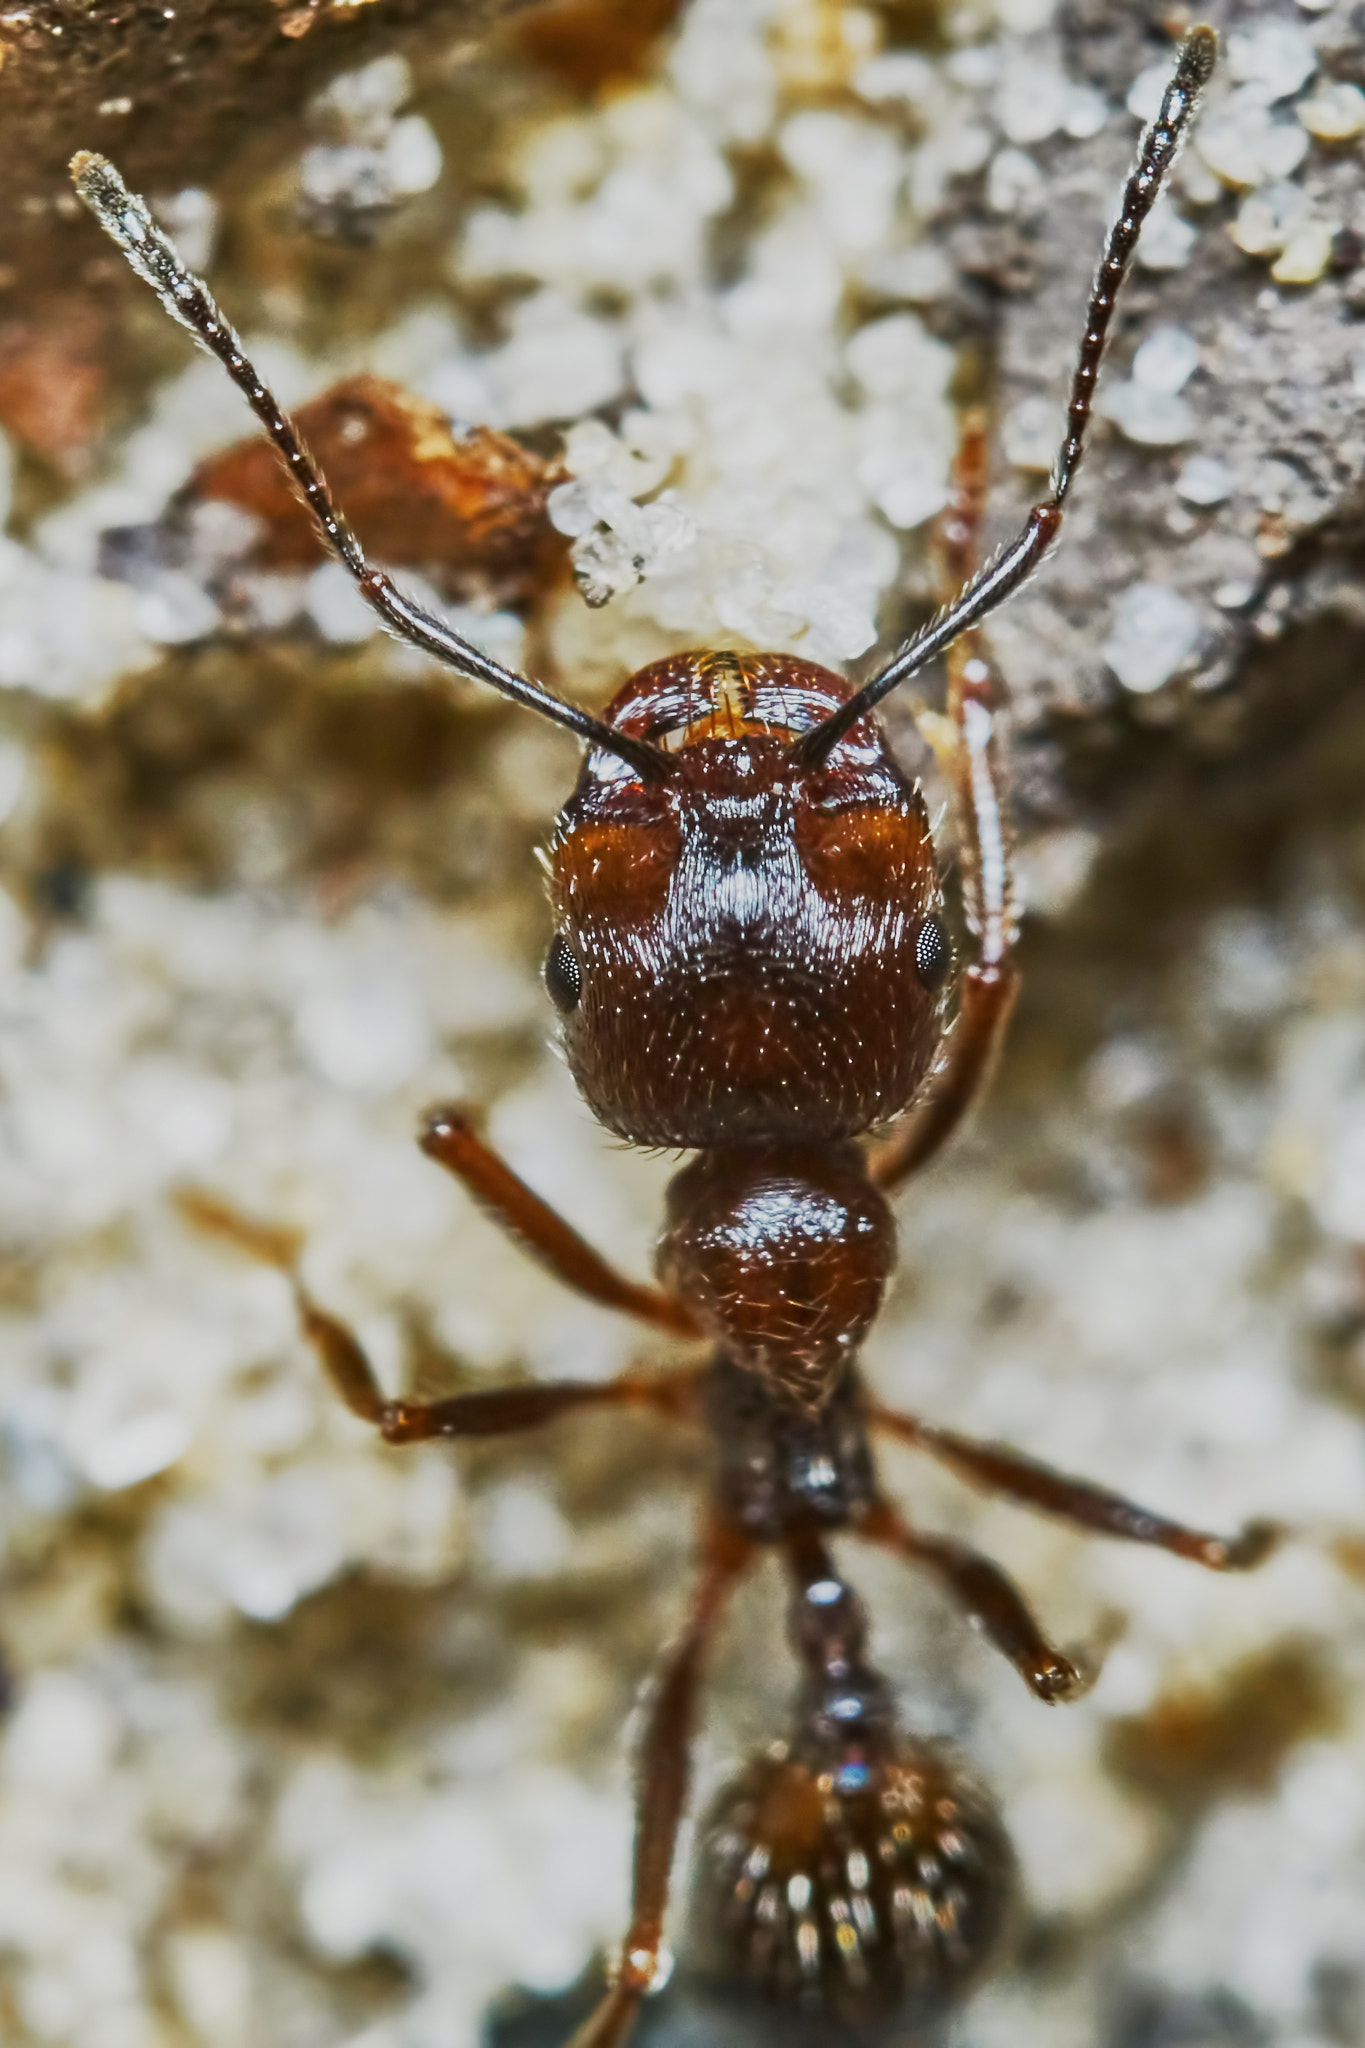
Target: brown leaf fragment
(53,382)
(470,511)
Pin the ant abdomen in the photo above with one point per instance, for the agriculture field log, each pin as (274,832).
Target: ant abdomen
(866,1898)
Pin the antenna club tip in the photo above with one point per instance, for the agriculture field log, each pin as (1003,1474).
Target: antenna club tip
(95,178)
(1199,48)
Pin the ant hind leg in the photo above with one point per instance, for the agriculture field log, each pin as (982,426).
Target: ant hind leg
(995,1468)
(664,1781)
(989,1598)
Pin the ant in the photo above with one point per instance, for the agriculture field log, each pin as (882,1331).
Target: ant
(750,964)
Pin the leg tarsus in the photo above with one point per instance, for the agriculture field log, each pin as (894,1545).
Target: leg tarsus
(995,1468)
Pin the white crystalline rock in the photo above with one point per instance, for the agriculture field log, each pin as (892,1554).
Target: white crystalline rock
(1272,59)
(1266,219)
(1155,631)
(1205,480)
(1014,183)
(897,75)
(1306,254)
(662,179)
(1024,17)
(1166,360)
(1335,114)
(1146,91)
(1167,238)
(361,104)
(1153,419)
(558,364)
(334,604)
(722,69)
(1033,101)
(190,217)
(852,170)
(1245,144)
(1147,407)
(412,157)
(1031,433)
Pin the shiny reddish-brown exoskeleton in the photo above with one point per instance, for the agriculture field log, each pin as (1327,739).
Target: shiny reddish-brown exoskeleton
(750,964)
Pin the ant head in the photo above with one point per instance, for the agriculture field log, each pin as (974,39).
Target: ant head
(750,946)
(871,1891)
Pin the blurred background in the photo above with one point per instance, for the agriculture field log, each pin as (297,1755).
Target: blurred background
(625,328)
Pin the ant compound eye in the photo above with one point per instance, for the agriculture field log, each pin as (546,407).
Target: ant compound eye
(563,975)
(933,954)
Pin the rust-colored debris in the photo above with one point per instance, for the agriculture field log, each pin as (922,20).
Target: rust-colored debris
(53,381)
(470,511)
(592,43)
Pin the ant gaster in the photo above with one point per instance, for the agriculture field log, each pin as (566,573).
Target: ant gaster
(750,963)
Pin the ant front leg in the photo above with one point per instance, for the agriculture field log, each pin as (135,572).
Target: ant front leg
(665,1776)
(995,1468)
(493,1411)
(967,743)
(452,1141)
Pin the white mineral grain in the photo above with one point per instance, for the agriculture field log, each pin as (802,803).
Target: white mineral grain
(1205,480)
(1031,432)
(191,216)
(1014,183)
(1155,631)
(1245,143)
(1273,59)
(1032,102)
(1153,419)
(1335,114)
(1266,219)
(1306,254)
(1167,239)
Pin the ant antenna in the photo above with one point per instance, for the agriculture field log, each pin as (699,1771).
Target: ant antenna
(1157,152)
(127,220)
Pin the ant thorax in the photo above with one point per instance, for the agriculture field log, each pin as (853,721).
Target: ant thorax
(749,949)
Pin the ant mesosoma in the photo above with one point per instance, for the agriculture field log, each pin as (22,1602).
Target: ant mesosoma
(750,964)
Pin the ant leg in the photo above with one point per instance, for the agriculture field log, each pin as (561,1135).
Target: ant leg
(991,1600)
(126,219)
(967,742)
(493,1411)
(664,1774)
(997,1469)
(452,1141)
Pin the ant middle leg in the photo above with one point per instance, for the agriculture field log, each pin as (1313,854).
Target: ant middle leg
(966,740)
(995,1468)
(492,1411)
(990,1599)
(451,1139)
(664,1779)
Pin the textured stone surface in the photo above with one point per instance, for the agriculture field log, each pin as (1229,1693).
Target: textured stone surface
(311,1742)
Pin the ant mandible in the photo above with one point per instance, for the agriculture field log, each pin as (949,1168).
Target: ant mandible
(750,963)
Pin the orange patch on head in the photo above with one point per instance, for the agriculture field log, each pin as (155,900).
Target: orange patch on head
(622,869)
(870,851)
